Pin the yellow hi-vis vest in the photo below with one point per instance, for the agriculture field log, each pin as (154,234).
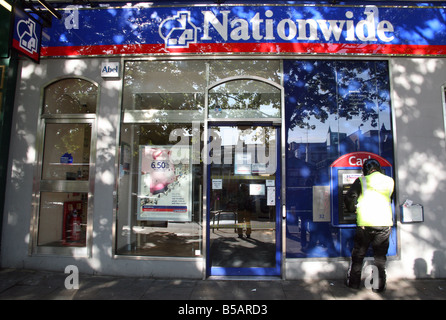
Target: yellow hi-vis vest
(374,207)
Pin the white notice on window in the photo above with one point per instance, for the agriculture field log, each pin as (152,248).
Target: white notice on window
(217,184)
(271,196)
(321,203)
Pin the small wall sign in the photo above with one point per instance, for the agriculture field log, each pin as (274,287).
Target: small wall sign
(110,69)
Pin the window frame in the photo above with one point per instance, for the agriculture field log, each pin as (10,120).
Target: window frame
(141,117)
(63,186)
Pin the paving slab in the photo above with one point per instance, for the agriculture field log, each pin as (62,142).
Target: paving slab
(18,284)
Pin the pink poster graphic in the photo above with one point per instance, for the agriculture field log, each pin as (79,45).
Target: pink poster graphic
(164,185)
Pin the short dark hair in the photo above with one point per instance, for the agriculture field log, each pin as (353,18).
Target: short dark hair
(370,165)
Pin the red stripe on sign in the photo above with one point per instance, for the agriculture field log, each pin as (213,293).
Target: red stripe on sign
(16,45)
(302,48)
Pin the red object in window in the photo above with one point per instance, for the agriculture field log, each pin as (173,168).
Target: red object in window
(71,227)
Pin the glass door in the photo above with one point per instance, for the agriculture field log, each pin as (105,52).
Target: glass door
(243,213)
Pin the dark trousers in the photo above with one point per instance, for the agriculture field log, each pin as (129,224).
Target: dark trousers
(378,237)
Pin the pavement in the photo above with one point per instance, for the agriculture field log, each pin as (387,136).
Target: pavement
(22,284)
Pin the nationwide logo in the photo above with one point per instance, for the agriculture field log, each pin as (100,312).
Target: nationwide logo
(26,35)
(26,31)
(178,31)
(220,27)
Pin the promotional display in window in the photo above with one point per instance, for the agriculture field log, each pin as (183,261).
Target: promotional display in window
(164,185)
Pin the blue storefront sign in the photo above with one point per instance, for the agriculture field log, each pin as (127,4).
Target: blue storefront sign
(27,33)
(281,29)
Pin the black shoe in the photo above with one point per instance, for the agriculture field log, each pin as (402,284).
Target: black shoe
(240,236)
(381,286)
(351,285)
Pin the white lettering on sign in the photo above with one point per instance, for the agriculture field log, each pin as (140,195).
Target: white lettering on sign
(262,28)
(357,162)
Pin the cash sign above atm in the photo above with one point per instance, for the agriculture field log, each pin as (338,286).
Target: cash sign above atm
(343,172)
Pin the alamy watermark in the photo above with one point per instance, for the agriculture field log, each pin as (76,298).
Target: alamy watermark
(372,279)
(254,145)
(72,280)
(71,17)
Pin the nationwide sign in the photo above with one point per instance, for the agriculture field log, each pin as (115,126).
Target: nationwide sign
(26,35)
(281,29)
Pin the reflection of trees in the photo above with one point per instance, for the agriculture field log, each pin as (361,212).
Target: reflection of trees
(69,139)
(164,77)
(221,69)
(169,101)
(346,95)
(347,89)
(236,103)
(245,98)
(180,85)
(71,95)
(164,91)
(236,100)
(257,134)
(158,134)
(160,91)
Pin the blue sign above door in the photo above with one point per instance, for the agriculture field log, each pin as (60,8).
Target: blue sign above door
(278,29)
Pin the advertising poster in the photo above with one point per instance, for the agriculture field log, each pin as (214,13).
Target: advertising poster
(164,185)
(242,163)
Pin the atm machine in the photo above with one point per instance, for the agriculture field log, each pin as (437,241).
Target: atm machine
(343,172)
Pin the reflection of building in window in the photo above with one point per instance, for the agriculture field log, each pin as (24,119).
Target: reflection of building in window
(311,159)
(375,141)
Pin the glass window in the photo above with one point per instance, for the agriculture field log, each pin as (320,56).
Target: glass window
(63,219)
(266,69)
(70,96)
(332,108)
(244,99)
(163,91)
(63,194)
(66,151)
(160,192)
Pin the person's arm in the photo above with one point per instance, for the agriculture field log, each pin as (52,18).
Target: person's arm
(351,198)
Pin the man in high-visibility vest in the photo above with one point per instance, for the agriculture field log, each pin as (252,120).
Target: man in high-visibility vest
(371,195)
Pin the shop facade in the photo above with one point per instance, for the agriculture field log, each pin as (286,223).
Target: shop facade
(218,140)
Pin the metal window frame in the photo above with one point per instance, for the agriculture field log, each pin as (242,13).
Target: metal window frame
(63,186)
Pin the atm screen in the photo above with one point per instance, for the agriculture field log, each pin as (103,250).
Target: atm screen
(346,178)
